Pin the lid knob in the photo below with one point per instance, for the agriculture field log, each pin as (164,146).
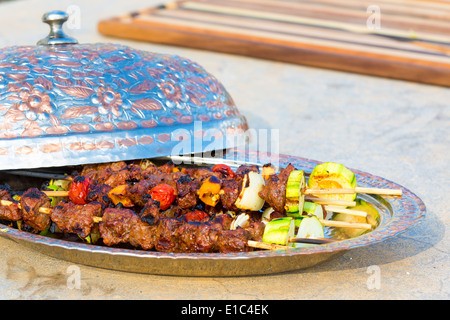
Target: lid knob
(56,19)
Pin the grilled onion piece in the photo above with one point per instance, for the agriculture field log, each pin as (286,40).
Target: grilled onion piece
(248,198)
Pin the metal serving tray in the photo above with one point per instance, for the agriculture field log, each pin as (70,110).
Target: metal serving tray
(398,214)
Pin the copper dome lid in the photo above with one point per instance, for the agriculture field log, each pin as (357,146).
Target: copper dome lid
(64,103)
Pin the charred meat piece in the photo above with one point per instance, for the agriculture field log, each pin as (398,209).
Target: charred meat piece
(116,225)
(233,241)
(118,178)
(31,201)
(136,173)
(103,171)
(11,212)
(147,169)
(151,212)
(201,174)
(74,218)
(221,222)
(138,193)
(230,192)
(118,173)
(168,167)
(274,192)
(143,235)
(206,238)
(196,237)
(186,190)
(244,169)
(256,229)
(99,193)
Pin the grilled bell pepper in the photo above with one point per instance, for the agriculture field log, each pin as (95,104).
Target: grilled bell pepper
(118,195)
(209,191)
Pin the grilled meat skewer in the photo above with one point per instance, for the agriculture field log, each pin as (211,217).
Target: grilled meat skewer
(122,225)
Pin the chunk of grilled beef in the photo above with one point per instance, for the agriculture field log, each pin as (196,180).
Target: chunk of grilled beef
(116,225)
(221,222)
(30,202)
(196,237)
(231,189)
(233,241)
(274,192)
(206,238)
(167,239)
(138,193)
(256,229)
(117,173)
(243,169)
(102,172)
(151,212)
(143,235)
(98,192)
(11,212)
(186,190)
(73,218)
(200,174)
(168,167)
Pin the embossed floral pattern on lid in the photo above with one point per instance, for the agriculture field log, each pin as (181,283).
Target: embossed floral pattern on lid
(62,104)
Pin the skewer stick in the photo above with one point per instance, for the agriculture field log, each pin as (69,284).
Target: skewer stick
(313,240)
(342,224)
(309,192)
(329,223)
(57,193)
(293,19)
(380,191)
(267,246)
(9,203)
(250,243)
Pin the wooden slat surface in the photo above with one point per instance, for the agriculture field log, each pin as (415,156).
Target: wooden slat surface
(412,44)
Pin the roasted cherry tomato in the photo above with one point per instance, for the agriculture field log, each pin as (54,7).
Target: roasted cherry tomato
(196,215)
(78,189)
(224,169)
(164,194)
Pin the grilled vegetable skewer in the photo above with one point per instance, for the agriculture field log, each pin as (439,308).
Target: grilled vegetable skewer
(379,191)
(115,221)
(280,232)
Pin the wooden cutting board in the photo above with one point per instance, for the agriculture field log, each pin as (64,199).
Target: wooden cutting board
(399,39)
